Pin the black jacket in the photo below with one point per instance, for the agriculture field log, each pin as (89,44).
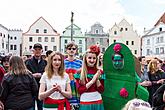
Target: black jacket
(35,67)
(158,103)
(17,91)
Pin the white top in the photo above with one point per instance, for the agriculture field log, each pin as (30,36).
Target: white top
(55,79)
(90,96)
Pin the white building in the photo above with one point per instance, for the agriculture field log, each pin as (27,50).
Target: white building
(10,41)
(153,41)
(78,38)
(41,32)
(15,41)
(124,33)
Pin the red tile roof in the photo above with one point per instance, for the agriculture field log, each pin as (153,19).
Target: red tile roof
(162,19)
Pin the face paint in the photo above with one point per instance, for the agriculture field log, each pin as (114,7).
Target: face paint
(118,61)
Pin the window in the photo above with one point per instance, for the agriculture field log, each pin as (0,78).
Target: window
(121,29)
(11,37)
(103,49)
(127,42)
(160,29)
(15,38)
(126,29)
(80,50)
(97,31)
(45,30)
(0,34)
(92,39)
(46,48)
(161,39)
(161,50)
(135,51)
(101,41)
(54,48)
(3,45)
(132,42)
(148,41)
(73,32)
(80,41)
(52,39)
(30,39)
(114,41)
(46,39)
(39,39)
(15,47)
(37,30)
(4,35)
(148,51)
(30,47)
(115,32)
(66,41)
(11,47)
(6,46)
(157,51)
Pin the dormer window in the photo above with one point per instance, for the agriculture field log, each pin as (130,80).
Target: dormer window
(126,29)
(97,31)
(160,29)
(115,32)
(45,30)
(37,30)
(121,29)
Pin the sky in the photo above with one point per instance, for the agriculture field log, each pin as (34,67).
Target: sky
(21,14)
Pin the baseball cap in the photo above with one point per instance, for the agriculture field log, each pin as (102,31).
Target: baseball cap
(37,45)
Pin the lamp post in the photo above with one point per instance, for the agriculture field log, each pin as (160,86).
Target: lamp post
(72,26)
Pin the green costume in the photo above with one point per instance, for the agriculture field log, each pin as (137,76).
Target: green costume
(120,85)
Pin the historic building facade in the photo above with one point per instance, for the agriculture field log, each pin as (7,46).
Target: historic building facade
(97,36)
(41,32)
(153,40)
(10,41)
(78,38)
(124,33)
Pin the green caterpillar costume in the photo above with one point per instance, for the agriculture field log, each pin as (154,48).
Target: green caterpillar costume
(120,85)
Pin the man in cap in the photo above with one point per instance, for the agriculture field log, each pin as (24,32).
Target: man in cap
(37,66)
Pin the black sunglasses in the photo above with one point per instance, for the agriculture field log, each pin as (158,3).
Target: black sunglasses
(71,48)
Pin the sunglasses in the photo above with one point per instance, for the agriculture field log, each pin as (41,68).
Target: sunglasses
(71,48)
(137,104)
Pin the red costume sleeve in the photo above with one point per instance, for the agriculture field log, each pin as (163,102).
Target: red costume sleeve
(2,72)
(81,87)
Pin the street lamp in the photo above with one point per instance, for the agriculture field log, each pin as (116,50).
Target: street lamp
(72,26)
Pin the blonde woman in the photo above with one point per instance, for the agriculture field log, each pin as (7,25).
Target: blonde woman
(156,76)
(55,84)
(90,81)
(18,86)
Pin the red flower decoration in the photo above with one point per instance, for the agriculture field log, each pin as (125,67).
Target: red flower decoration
(124,93)
(95,49)
(117,48)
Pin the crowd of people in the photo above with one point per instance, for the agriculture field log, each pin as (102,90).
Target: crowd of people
(60,82)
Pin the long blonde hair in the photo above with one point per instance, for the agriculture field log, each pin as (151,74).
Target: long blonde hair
(153,66)
(49,66)
(17,66)
(83,76)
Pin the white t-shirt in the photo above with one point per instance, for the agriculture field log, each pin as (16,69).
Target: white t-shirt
(55,79)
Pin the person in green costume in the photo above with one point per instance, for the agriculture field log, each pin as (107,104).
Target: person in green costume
(121,84)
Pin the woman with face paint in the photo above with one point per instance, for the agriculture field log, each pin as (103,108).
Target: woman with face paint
(90,81)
